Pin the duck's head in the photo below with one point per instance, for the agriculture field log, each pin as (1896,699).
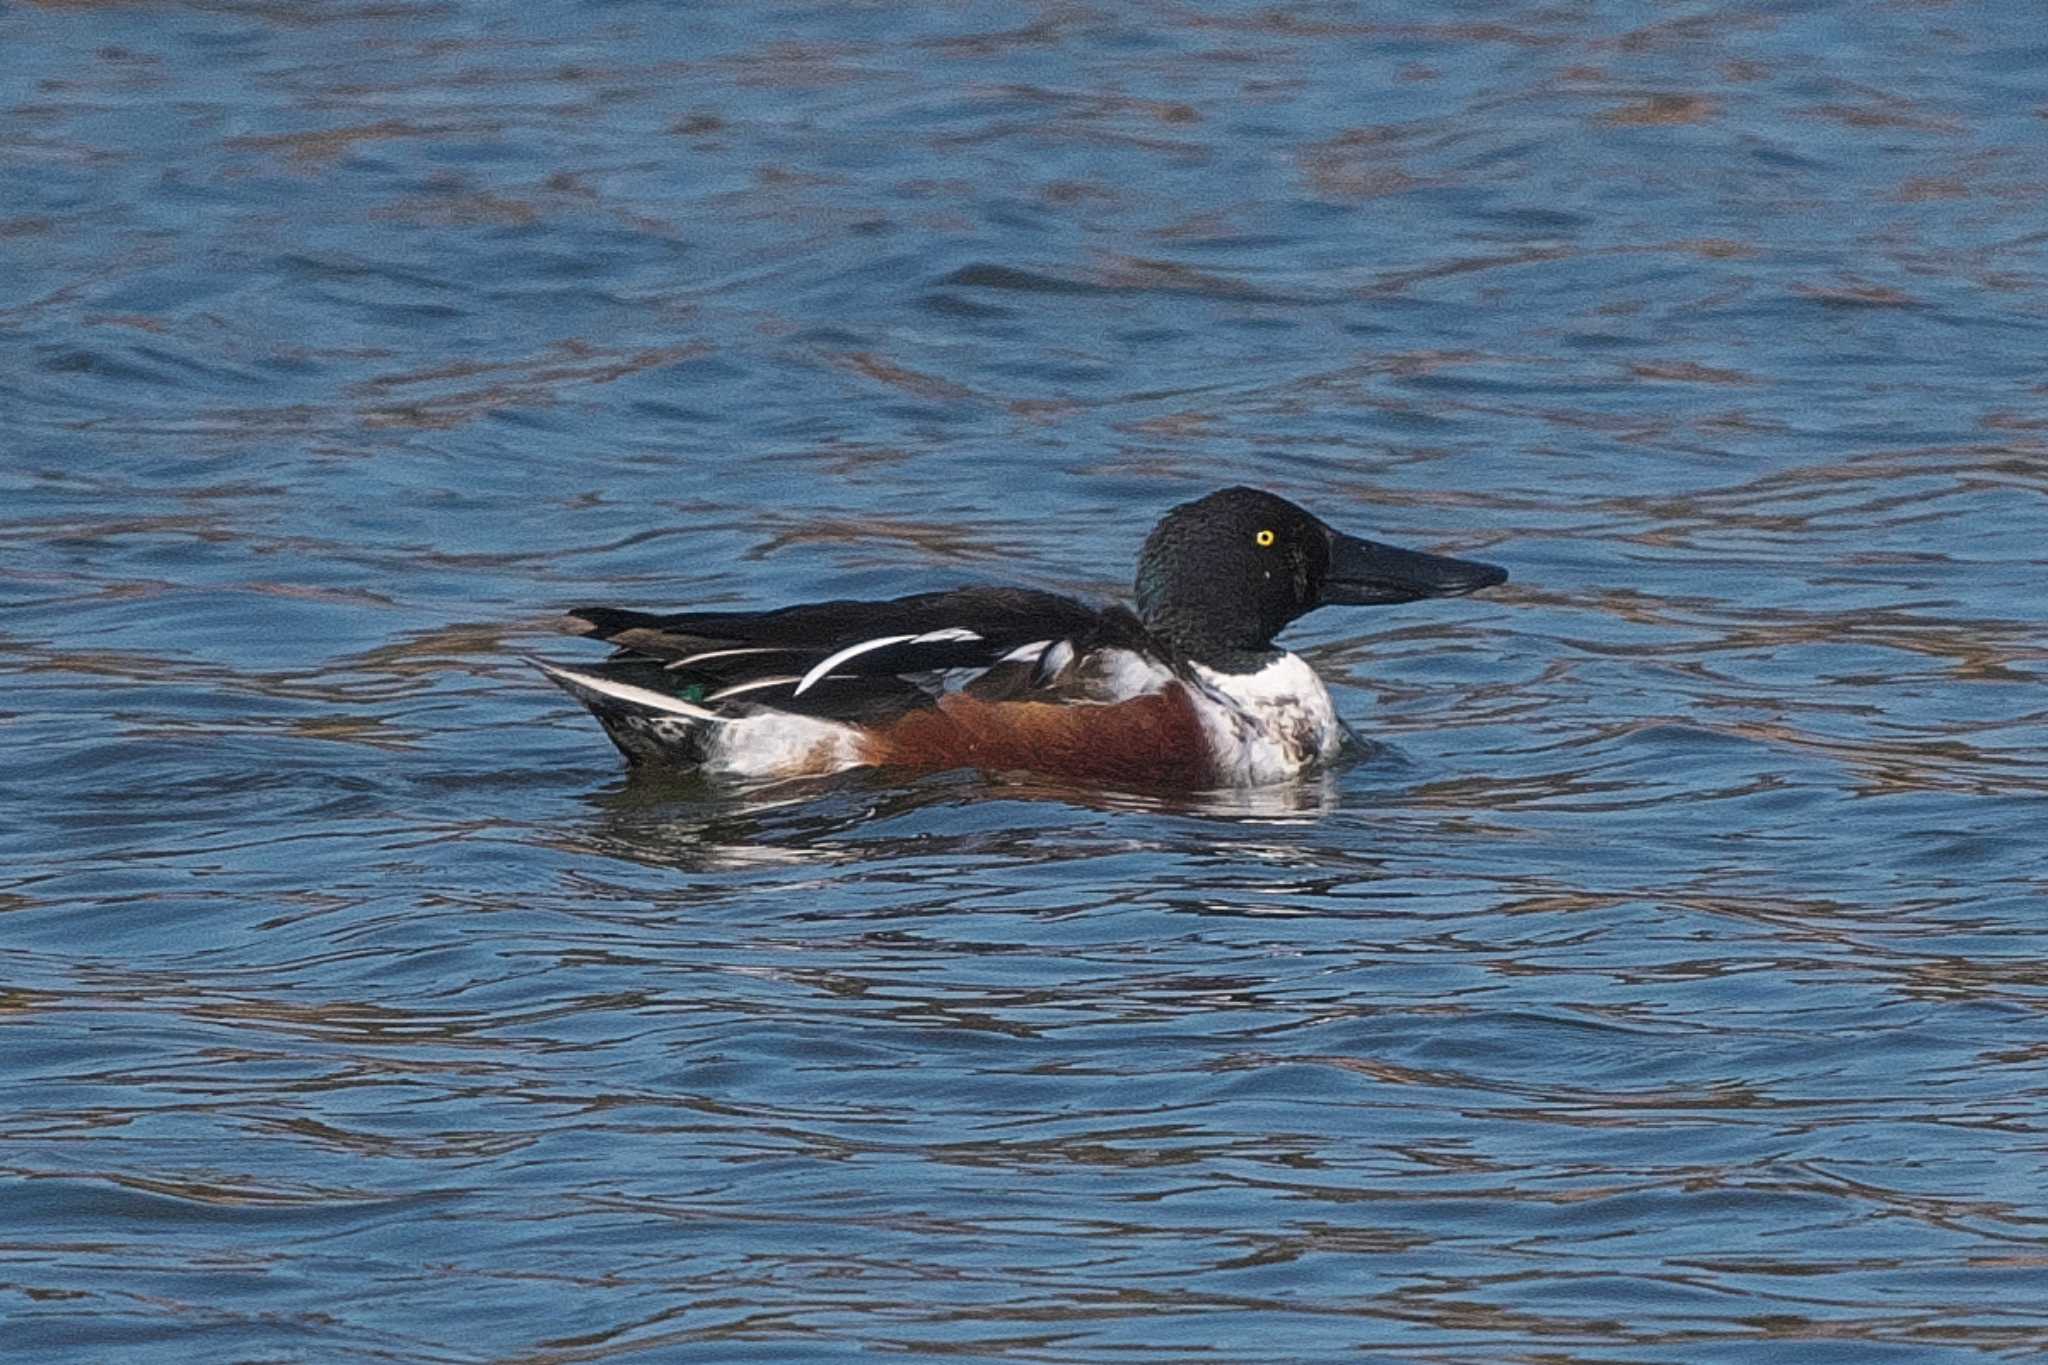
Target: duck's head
(1219,577)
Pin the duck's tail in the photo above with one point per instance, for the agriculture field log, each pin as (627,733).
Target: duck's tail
(649,712)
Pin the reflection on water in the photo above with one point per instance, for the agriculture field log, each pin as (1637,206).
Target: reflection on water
(1663,980)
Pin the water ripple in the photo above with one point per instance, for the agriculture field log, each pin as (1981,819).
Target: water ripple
(1661,980)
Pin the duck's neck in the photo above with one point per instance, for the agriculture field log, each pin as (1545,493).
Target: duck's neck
(1239,661)
(1204,636)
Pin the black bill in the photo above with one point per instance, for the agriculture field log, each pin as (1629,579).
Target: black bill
(1365,573)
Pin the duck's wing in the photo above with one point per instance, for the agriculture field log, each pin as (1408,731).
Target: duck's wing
(844,660)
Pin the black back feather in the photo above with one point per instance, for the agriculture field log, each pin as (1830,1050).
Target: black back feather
(665,652)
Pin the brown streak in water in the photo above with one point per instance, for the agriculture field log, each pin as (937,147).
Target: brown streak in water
(699,124)
(139,321)
(1194,225)
(2007,420)
(93,533)
(373,731)
(531,384)
(1044,410)
(452,207)
(313,149)
(1689,30)
(1356,165)
(1856,294)
(1093,104)
(1887,112)
(429,652)
(1713,248)
(1082,126)
(872,366)
(1283,23)
(1921,189)
(1180,425)
(305,592)
(1661,109)
(1401,279)
(1685,371)
(1137,272)
(940,542)
(1066,192)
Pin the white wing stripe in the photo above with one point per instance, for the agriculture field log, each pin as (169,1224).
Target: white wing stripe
(931,637)
(722,693)
(851,651)
(1053,662)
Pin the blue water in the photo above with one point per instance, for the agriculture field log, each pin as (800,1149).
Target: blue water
(1665,984)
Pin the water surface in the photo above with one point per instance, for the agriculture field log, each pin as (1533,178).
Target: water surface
(1665,984)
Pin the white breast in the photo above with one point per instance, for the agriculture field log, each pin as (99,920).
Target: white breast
(1271,725)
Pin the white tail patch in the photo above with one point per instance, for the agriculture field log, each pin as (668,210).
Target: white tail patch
(628,693)
(949,635)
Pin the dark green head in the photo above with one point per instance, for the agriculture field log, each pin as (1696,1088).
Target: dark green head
(1219,577)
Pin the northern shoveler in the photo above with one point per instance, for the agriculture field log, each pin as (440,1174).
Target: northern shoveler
(1189,692)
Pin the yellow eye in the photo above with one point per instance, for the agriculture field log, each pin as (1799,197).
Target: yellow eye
(1265,539)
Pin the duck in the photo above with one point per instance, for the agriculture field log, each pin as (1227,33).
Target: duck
(1186,692)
